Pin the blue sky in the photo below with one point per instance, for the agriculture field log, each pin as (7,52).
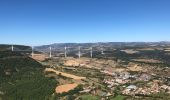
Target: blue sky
(37,22)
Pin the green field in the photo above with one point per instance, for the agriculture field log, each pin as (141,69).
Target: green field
(118,97)
(89,97)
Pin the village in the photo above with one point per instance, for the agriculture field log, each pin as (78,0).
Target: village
(108,78)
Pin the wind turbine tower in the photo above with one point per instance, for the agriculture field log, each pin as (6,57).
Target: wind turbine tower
(91,52)
(32,51)
(79,54)
(12,48)
(50,52)
(102,51)
(65,52)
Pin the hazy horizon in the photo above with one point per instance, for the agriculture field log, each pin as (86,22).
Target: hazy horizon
(84,43)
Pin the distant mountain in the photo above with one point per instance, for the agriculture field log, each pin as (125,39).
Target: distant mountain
(5,47)
(60,46)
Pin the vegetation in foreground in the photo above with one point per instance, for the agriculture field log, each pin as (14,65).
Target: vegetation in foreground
(22,78)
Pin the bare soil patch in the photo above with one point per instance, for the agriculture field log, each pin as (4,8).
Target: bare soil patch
(65,88)
(39,57)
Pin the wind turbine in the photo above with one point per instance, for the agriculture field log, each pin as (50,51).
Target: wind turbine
(12,48)
(32,51)
(102,52)
(50,52)
(91,52)
(79,53)
(65,53)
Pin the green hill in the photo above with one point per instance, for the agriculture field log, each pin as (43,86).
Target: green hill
(22,78)
(14,61)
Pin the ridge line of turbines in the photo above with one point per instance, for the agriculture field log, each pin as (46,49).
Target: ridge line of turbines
(65,51)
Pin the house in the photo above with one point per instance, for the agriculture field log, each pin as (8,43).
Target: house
(145,77)
(105,94)
(124,75)
(164,87)
(129,90)
(131,87)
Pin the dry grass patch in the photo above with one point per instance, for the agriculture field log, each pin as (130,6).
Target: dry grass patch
(136,68)
(147,60)
(64,74)
(130,51)
(146,49)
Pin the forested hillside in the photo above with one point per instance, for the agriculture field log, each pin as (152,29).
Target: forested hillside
(22,78)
